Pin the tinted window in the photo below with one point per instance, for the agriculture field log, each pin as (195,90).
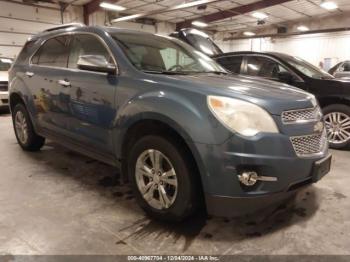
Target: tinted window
(86,45)
(54,52)
(231,63)
(263,67)
(306,68)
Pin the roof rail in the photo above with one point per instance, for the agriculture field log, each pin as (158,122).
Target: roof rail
(63,26)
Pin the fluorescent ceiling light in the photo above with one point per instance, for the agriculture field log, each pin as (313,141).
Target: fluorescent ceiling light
(329,5)
(303,28)
(199,24)
(249,33)
(260,16)
(190,4)
(112,6)
(125,18)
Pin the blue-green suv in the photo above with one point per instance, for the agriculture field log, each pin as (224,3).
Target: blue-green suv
(181,130)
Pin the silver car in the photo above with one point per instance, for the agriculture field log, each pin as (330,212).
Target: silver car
(5,64)
(341,70)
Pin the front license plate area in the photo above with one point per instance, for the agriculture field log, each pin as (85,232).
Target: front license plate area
(321,168)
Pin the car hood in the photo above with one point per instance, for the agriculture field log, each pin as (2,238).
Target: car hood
(272,96)
(4,76)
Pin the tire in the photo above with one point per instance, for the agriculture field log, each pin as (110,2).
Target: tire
(338,133)
(185,201)
(28,139)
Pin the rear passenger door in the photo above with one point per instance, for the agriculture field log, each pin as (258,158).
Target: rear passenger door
(47,67)
(231,63)
(92,95)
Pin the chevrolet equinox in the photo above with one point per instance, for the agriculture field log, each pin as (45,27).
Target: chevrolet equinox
(181,129)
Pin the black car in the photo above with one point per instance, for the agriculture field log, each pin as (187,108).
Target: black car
(332,94)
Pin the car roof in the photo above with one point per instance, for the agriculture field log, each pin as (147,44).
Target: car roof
(80,28)
(272,54)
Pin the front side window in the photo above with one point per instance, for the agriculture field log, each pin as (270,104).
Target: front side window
(85,44)
(54,52)
(156,54)
(263,67)
(231,63)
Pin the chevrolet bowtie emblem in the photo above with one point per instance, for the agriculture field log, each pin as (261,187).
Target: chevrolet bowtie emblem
(318,127)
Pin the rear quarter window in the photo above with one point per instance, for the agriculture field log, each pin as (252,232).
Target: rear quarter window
(26,52)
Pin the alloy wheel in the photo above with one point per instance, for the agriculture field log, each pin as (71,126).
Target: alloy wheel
(21,126)
(338,127)
(156,179)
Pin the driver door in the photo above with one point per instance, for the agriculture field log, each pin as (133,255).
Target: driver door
(92,95)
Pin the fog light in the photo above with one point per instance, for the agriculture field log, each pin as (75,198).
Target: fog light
(248,178)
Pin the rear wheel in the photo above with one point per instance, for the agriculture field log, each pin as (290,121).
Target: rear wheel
(25,134)
(337,119)
(163,180)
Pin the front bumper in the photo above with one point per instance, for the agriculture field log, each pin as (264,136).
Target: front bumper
(4,98)
(270,155)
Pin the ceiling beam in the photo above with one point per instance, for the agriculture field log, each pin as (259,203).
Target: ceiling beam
(243,9)
(92,7)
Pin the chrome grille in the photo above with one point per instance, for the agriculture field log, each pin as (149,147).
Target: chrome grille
(3,86)
(301,115)
(309,145)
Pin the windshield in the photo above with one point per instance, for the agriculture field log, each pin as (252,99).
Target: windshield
(156,54)
(202,42)
(5,64)
(307,68)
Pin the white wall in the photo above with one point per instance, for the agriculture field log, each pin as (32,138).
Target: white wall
(18,22)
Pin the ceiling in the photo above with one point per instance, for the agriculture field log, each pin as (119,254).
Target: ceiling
(278,14)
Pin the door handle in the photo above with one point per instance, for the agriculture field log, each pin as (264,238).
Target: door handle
(64,83)
(29,74)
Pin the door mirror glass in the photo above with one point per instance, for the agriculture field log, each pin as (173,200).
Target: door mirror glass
(97,63)
(285,77)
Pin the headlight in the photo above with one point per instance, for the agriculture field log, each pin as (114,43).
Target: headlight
(242,117)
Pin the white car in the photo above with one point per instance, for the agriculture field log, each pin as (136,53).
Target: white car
(5,64)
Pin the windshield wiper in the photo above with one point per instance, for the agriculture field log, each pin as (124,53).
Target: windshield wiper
(166,72)
(209,72)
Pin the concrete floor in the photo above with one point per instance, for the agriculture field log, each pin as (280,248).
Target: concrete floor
(59,202)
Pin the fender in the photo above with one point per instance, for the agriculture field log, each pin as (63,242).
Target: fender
(179,112)
(333,99)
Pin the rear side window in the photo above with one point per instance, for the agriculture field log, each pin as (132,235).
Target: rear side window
(231,63)
(86,45)
(54,52)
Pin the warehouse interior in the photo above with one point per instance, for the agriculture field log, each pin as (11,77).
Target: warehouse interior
(60,202)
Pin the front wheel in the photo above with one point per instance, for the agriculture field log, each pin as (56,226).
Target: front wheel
(163,178)
(337,119)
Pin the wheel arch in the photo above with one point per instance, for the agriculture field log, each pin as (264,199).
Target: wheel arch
(331,100)
(158,124)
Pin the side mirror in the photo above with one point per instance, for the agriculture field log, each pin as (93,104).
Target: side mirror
(97,63)
(285,77)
